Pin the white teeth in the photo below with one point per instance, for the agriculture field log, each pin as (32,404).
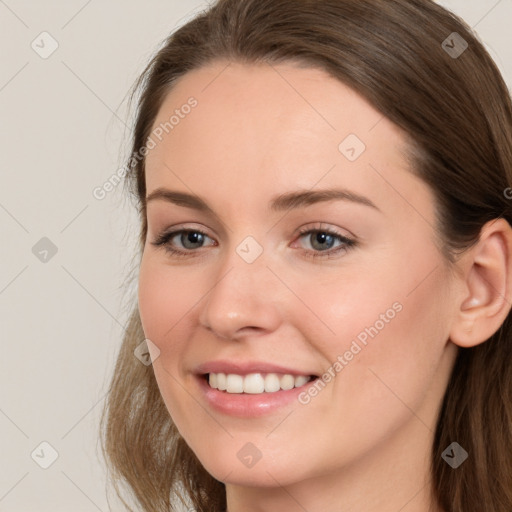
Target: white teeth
(300,380)
(234,383)
(221,381)
(255,383)
(272,383)
(287,382)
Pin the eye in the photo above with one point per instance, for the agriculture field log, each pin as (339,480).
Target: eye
(190,239)
(321,242)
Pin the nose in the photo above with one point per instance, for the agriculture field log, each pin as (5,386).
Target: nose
(242,300)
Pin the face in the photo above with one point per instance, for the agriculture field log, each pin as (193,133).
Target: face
(326,316)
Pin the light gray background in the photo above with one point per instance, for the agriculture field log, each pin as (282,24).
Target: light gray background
(62,134)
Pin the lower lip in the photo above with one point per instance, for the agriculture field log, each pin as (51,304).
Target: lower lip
(248,405)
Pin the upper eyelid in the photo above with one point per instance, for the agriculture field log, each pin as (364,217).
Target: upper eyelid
(298,231)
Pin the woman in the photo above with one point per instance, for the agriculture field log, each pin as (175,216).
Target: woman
(370,373)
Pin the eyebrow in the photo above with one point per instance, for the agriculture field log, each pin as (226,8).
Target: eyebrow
(286,201)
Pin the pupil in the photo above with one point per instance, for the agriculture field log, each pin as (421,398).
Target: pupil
(322,238)
(192,237)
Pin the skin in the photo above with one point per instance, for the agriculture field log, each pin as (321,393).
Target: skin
(364,441)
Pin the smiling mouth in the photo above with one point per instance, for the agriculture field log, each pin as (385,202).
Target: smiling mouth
(256,383)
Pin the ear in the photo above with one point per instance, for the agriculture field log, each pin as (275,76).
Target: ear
(486,298)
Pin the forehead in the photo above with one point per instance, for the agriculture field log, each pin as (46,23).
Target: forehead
(264,128)
(254,102)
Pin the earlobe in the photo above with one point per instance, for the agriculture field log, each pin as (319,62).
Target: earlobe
(486,298)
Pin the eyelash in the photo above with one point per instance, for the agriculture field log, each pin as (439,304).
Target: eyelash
(163,240)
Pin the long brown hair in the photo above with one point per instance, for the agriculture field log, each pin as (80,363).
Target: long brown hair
(403,57)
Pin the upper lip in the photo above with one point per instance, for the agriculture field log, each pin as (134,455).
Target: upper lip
(246,367)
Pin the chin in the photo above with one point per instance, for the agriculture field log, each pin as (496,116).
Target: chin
(261,475)
(241,463)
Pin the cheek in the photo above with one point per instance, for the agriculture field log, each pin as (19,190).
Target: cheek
(170,299)
(165,298)
(391,316)
(391,333)
(153,300)
(351,307)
